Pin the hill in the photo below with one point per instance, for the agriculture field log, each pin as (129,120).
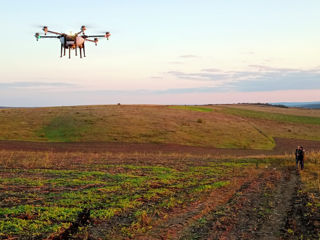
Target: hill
(311,105)
(223,126)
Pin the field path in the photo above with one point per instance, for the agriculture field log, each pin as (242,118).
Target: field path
(265,213)
(284,194)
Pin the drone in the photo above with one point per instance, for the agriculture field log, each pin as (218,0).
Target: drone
(72,41)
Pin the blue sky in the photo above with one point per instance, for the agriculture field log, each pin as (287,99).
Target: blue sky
(163,52)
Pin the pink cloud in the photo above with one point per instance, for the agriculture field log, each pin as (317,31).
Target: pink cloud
(229,97)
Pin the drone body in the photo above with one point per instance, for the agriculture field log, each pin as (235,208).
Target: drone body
(72,41)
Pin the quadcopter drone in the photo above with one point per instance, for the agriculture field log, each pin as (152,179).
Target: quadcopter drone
(72,41)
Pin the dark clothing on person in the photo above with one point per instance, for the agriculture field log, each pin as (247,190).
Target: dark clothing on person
(296,153)
(301,162)
(300,158)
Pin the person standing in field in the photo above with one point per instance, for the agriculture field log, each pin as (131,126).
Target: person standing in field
(299,157)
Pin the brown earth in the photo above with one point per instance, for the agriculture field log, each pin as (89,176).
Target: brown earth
(283,145)
(264,207)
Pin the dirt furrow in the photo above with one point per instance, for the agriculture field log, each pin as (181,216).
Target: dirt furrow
(257,211)
(274,225)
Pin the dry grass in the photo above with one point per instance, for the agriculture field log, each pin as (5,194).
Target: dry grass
(310,176)
(149,124)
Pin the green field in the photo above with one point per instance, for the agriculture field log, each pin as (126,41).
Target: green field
(42,195)
(278,117)
(138,194)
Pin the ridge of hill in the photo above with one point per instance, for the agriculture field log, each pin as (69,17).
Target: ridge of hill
(311,105)
(242,126)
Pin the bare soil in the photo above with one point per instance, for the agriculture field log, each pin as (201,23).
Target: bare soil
(283,145)
(264,207)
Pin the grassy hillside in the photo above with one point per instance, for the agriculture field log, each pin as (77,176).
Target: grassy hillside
(273,109)
(224,126)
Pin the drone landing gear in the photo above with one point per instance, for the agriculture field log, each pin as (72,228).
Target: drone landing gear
(69,52)
(61,50)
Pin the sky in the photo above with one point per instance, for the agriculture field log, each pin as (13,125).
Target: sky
(162,52)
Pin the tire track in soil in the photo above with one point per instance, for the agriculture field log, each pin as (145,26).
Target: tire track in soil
(274,226)
(302,219)
(225,221)
(264,212)
(258,210)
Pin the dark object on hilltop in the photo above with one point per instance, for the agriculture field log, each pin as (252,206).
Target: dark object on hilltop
(279,105)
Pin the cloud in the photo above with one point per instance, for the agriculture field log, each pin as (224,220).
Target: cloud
(211,70)
(175,62)
(248,53)
(281,80)
(272,69)
(35,84)
(201,76)
(189,56)
(257,78)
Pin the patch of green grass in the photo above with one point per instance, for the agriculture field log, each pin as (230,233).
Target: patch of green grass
(208,187)
(35,220)
(171,202)
(105,214)
(271,116)
(192,108)
(21,181)
(65,128)
(41,213)
(34,228)
(111,189)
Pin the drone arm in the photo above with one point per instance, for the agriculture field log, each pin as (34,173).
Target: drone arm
(49,37)
(106,35)
(95,36)
(38,36)
(54,32)
(89,40)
